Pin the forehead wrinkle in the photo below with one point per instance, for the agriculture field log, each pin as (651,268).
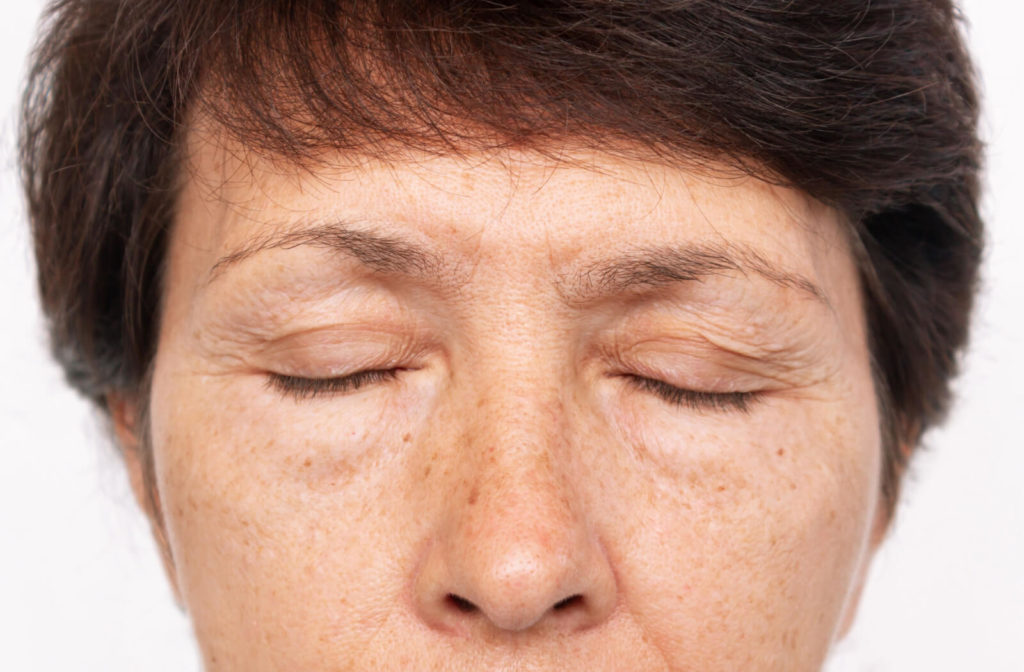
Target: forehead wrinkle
(653,267)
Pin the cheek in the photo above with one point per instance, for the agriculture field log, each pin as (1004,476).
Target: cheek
(266,502)
(753,527)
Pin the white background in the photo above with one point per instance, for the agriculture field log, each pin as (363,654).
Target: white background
(80,583)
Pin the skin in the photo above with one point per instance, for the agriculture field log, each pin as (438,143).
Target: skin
(517,495)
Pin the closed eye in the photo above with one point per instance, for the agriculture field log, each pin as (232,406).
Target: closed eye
(700,400)
(308,388)
(302,388)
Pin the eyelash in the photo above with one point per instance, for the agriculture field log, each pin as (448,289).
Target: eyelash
(697,400)
(309,388)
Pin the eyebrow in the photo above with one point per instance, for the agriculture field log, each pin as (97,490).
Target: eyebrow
(634,271)
(377,251)
(653,267)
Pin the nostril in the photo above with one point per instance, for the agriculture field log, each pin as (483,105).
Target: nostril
(461,603)
(568,602)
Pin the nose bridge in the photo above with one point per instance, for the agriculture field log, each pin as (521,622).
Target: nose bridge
(514,416)
(514,454)
(517,418)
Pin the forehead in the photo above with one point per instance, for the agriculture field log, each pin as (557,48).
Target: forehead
(568,204)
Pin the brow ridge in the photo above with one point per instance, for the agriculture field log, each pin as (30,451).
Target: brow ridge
(382,253)
(653,267)
(634,271)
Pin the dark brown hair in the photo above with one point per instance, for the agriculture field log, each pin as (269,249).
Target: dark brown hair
(867,106)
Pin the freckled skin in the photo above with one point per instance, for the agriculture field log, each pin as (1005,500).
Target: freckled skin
(509,500)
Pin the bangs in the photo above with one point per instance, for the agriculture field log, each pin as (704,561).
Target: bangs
(688,82)
(295,79)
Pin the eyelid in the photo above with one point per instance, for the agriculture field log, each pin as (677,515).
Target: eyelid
(339,353)
(698,400)
(302,388)
(754,351)
(694,366)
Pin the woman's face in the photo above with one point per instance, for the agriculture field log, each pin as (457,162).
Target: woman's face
(510,413)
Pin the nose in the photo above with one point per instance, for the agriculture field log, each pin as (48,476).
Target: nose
(514,551)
